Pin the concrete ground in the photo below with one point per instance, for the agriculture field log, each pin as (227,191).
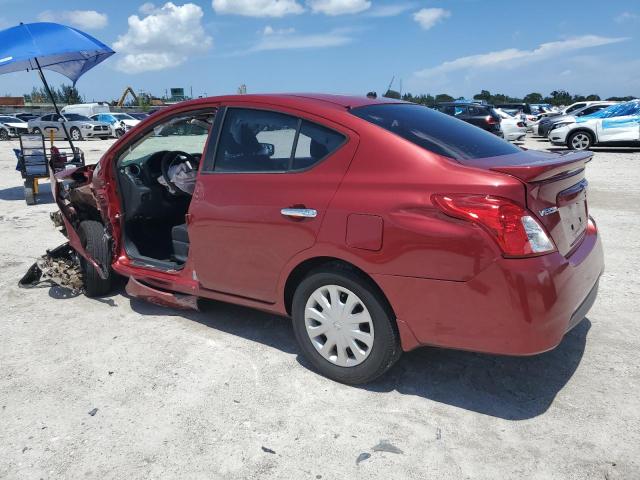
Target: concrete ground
(225,394)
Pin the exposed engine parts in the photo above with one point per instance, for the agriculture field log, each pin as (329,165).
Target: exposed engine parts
(60,266)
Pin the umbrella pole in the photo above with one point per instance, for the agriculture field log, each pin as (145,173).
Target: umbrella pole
(55,106)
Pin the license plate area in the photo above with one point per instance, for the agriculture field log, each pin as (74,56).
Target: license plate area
(572,206)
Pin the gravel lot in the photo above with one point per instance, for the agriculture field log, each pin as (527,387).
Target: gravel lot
(224,393)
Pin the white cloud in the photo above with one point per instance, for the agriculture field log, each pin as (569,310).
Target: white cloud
(390,10)
(428,17)
(513,57)
(338,7)
(147,8)
(89,19)
(257,8)
(269,30)
(288,39)
(163,39)
(627,17)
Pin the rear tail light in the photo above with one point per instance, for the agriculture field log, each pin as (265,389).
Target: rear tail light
(516,231)
(490,120)
(521,125)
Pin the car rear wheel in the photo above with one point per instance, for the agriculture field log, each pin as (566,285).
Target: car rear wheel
(4,135)
(93,240)
(75,134)
(344,328)
(580,141)
(37,131)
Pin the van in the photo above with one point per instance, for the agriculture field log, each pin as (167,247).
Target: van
(87,109)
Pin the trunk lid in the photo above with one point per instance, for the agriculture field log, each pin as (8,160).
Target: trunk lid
(556,190)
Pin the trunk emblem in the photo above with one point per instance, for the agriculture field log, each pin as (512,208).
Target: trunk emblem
(548,211)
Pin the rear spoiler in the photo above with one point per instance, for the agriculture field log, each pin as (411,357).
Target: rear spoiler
(539,168)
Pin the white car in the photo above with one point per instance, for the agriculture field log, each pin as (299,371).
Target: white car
(120,122)
(13,127)
(514,129)
(615,125)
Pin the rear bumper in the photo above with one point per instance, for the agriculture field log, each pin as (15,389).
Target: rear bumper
(514,307)
(516,135)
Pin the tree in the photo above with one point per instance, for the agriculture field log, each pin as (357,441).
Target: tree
(620,99)
(69,94)
(559,97)
(483,95)
(533,97)
(443,97)
(592,98)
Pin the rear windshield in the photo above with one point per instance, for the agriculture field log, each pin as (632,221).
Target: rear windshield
(618,110)
(435,131)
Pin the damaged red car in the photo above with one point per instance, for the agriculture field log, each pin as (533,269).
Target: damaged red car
(378,226)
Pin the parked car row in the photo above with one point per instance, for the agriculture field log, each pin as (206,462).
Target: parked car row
(581,126)
(79,127)
(495,120)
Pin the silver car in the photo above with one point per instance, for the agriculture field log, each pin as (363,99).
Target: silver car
(78,126)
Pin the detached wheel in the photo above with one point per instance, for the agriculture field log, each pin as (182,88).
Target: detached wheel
(75,134)
(92,236)
(29,192)
(580,141)
(343,327)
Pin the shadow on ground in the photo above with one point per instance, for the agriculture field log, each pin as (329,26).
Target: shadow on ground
(17,193)
(512,388)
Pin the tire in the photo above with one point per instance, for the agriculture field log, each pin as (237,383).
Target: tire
(75,134)
(580,140)
(4,135)
(29,195)
(92,236)
(341,363)
(36,131)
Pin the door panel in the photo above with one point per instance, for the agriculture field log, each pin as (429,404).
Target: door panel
(619,129)
(240,239)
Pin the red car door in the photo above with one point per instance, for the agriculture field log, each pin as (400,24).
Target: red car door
(261,196)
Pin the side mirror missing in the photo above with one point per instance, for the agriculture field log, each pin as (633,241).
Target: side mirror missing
(267,149)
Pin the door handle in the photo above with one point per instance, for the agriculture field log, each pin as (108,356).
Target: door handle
(299,212)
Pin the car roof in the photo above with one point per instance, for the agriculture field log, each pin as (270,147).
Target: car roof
(320,99)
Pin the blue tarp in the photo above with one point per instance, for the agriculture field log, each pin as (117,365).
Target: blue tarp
(62,49)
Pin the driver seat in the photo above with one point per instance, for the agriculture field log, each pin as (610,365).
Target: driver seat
(180,243)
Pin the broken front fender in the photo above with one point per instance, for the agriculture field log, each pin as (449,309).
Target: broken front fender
(72,193)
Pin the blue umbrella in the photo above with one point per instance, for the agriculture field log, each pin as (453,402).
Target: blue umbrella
(51,46)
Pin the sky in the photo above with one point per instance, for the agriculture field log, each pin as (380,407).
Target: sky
(211,47)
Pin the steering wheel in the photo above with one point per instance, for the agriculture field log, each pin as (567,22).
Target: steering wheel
(171,158)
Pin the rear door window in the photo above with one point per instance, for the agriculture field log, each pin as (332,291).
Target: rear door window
(435,132)
(478,111)
(315,143)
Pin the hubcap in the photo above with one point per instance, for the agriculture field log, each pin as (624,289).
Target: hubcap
(580,141)
(75,135)
(339,325)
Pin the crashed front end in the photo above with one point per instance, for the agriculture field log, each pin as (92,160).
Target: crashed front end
(74,194)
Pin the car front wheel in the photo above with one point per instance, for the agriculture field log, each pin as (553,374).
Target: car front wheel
(344,327)
(93,240)
(579,141)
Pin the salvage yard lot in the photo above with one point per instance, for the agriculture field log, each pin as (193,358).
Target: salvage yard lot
(223,393)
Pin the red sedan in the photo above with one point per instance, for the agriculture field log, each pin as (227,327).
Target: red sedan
(377,225)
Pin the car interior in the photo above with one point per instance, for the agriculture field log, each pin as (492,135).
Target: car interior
(156,176)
